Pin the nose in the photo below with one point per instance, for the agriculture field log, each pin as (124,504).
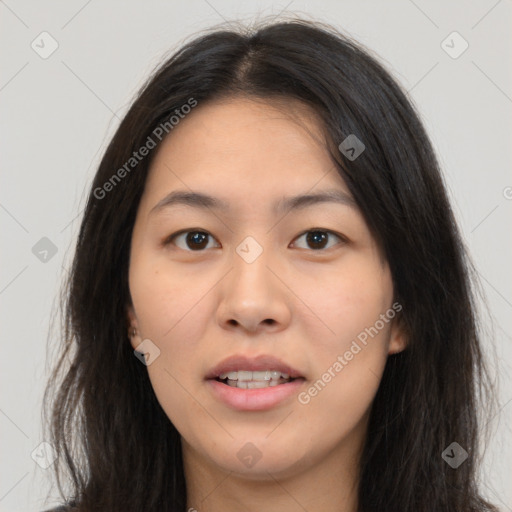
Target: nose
(254,297)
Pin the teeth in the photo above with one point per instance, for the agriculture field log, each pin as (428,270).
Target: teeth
(261,375)
(245,379)
(254,384)
(246,376)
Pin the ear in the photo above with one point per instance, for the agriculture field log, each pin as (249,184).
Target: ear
(398,340)
(133,327)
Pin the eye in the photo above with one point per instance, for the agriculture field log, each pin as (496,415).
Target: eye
(194,240)
(317,238)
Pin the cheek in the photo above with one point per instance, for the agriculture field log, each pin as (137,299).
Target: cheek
(350,342)
(170,306)
(338,402)
(172,315)
(347,367)
(345,301)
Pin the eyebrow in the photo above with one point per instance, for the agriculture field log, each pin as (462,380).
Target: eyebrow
(205,201)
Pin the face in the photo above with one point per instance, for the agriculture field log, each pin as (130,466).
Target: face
(299,287)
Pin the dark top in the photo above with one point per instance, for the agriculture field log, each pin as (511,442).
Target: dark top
(63,508)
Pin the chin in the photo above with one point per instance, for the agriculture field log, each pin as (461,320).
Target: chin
(255,459)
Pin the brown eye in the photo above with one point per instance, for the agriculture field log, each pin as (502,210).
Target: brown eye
(192,240)
(198,240)
(317,239)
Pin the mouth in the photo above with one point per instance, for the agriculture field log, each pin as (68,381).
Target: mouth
(253,372)
(254,383)
(245,379)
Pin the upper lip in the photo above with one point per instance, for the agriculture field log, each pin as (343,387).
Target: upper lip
(257,363)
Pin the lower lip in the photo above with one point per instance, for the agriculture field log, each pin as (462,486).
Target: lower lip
(254,399)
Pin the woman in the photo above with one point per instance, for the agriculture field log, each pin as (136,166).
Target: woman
(270,305)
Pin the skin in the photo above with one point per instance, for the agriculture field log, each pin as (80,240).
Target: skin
(199,306)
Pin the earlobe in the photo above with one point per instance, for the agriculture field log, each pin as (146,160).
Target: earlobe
(132,327)
(398,339)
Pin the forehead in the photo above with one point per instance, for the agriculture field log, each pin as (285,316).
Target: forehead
(245,147)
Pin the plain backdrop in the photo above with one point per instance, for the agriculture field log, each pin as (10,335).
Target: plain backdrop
(58,112)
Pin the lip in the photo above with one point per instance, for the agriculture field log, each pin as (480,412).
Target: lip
(254,399)
(258,363)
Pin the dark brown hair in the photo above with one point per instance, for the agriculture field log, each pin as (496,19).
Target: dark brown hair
(119,449)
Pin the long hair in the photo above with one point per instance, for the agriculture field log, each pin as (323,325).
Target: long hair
(117,449)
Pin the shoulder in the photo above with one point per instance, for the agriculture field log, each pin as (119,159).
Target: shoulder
(71,507)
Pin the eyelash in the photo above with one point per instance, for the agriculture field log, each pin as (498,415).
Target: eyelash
(170,238)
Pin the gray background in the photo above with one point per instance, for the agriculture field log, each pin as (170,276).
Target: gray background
(59,112)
